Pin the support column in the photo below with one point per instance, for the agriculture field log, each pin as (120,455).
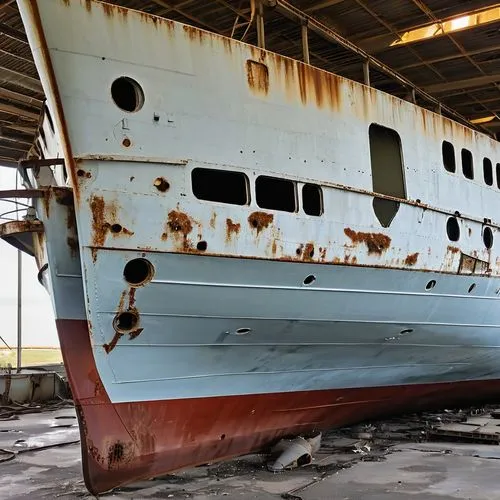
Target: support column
(261,38)
(305,43)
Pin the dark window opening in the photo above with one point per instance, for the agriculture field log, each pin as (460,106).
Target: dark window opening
(220,186)
(387,171)
(453,229)
(467,164)
(312,199)
(488,237)
(275,194)
(488,171)
(498,175)
(127,94)
(449,157)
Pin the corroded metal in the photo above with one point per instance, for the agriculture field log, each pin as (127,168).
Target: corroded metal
(288,317)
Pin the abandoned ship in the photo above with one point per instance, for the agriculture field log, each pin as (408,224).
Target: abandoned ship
(241,246)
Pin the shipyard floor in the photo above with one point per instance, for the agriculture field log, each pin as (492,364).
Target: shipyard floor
(394,459)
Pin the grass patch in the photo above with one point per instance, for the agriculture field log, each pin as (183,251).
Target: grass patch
(30,356)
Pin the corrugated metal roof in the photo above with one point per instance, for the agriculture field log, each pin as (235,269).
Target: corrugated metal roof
(446,62)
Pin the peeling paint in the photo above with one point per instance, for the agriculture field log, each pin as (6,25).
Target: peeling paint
(232,228)
(375,242)
(260,220)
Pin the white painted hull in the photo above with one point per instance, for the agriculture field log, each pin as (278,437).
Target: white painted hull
(369,335)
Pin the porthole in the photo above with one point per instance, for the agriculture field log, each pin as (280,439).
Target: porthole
(471,288)
(127,94)
(488,237)
(125,321)
(430,285)
(453,229)
(308,280)
(137,272)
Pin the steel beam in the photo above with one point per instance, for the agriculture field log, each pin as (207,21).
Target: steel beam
(288,10)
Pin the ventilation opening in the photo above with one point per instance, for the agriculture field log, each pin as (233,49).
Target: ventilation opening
(467,164)
(453,229)
(449,157)
(275,194)
(488,171)
(242,331)
(221,186)
(138,272)
(125,321)
(127,94)
(312,199)
(387,171)
(430,285)
(488,237)
(309,279)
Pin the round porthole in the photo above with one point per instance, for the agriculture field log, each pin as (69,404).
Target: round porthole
(488,237)
(137,272)
(125,321)
(453,229)
(430,285)
(127,94)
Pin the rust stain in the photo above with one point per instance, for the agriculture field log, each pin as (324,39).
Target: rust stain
(308,252)
(322,253)
(453,249)
(411,259)
(135,333)
(100,226)
(131,298)
(73,245)
(109,347)
(257,77)
(309,84)
(375,242)
(213,220)
(260,220)
(54,90)
(274,247)
(179,224)
(231,228)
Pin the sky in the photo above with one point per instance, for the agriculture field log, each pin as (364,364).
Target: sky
(38,326)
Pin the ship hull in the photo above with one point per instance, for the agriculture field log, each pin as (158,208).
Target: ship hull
(257,318)
(127,441)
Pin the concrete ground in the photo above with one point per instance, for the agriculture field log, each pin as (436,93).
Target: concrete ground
(391,460)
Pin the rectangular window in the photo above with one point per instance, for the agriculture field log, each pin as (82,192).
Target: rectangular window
(449,157)
(488,171)
(467,164)
(387,171)
(222,186)
(275,194)
(312,199)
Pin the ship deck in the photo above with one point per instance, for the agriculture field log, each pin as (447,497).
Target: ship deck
(397,463)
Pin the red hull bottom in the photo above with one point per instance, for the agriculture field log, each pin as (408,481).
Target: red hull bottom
(125,442)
